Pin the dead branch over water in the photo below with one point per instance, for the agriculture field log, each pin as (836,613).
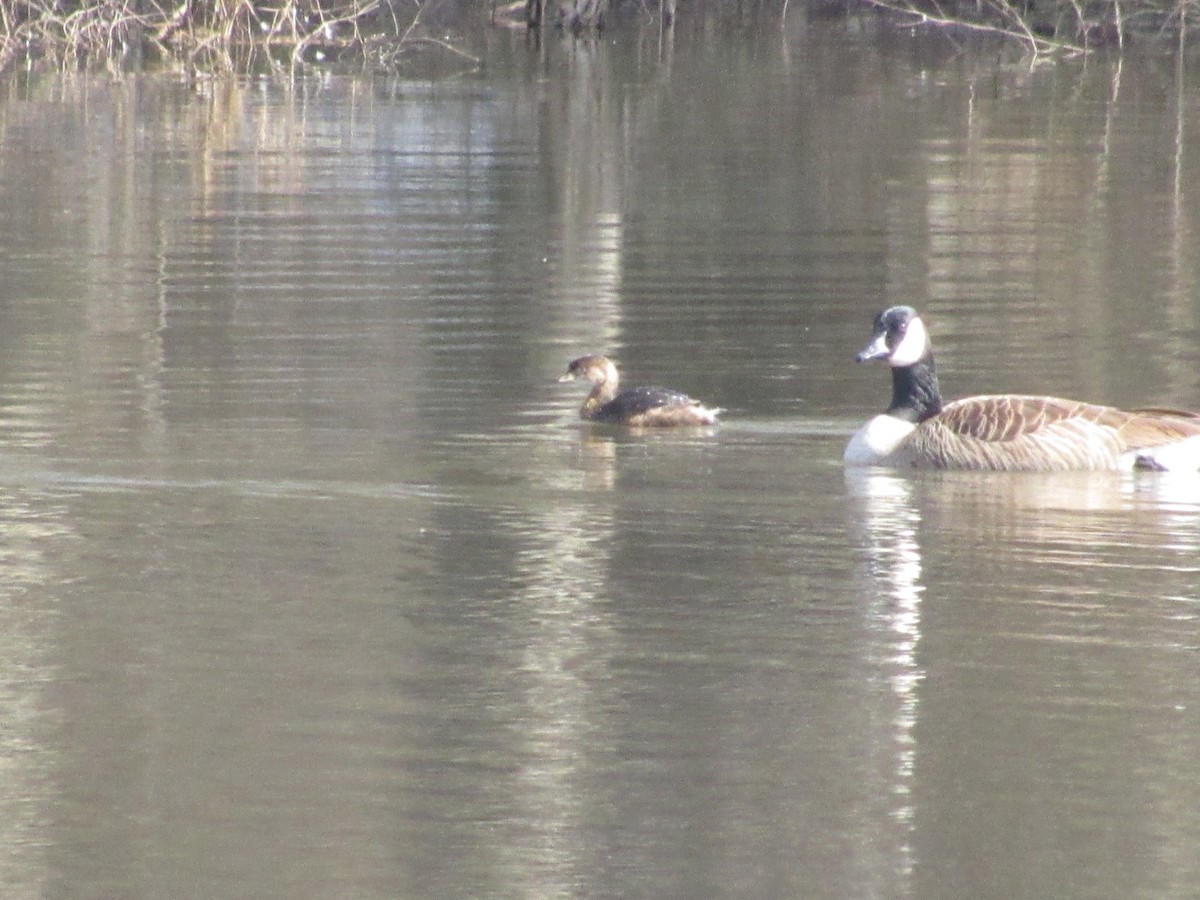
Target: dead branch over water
(216,34)
(1064,27)
(1054,26)
(246,34)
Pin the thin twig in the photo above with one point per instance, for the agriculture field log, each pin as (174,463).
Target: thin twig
(352,17)
(1037,44)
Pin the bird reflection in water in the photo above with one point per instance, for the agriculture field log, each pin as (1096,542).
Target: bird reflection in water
(889,521)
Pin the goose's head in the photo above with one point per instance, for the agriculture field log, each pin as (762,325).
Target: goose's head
(899,337)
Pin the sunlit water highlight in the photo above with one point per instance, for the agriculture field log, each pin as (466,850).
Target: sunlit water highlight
(314,584)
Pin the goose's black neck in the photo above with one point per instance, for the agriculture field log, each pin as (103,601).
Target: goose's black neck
(915,394)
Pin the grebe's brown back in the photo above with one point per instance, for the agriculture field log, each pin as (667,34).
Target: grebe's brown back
(638,406)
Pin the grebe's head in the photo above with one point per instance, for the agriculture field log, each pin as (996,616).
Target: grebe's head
(899,337)
(598,369)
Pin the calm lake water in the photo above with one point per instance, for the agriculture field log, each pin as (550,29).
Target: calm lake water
(313,585)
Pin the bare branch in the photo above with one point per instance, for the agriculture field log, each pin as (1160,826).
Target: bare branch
(1018,29)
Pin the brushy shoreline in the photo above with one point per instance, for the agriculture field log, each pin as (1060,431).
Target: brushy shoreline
(245,35)
(225,35)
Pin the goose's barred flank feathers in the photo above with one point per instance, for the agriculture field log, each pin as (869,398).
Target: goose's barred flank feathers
(1005,432)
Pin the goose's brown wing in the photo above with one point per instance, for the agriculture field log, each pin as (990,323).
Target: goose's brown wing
(1151,426)
(1009,417)
(1012,433)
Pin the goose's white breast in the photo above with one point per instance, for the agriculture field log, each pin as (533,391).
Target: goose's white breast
(875,441)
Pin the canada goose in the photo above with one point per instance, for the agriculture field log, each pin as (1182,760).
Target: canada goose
(635,406)
(1004,432)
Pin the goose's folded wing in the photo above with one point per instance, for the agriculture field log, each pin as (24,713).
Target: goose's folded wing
(1154,426)
(1007,417)
(1019,433)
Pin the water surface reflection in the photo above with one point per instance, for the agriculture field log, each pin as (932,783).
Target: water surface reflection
(315,585)
(884,510)
(1067,592)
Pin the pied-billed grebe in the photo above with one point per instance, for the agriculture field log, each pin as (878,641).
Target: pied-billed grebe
(1009,432)
(633,406)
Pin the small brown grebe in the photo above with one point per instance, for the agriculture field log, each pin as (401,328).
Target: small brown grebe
(640,406)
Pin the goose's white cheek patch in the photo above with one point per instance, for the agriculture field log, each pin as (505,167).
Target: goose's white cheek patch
(912,346)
